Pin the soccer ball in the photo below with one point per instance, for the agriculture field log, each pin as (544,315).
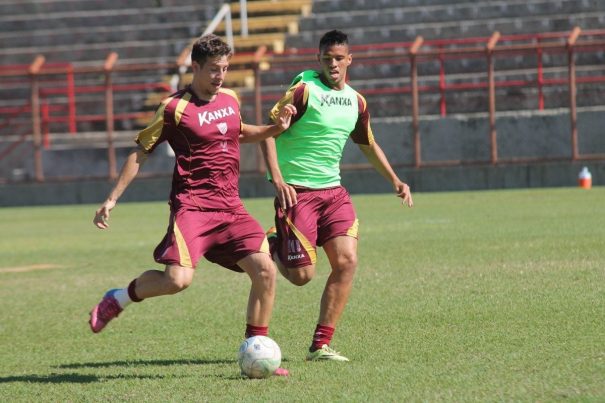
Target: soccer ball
(259,357)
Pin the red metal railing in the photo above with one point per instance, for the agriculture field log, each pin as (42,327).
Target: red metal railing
(488,49)
(53,101)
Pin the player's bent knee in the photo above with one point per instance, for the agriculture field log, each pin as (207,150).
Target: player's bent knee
(178,284)
(347,262)
(260,268)
(267,272)
(178,279)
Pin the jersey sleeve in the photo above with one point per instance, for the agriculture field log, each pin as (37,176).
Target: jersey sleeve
(231,93)
(297,95)
(234,95)
(362,133)
(151,136)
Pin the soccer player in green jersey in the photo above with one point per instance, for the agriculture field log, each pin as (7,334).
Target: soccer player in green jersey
(312,208)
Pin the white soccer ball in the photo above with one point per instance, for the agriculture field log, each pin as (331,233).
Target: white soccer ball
(259,357)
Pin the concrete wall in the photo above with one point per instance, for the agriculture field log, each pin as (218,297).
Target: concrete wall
(456,138)
(462,138)
(455,178)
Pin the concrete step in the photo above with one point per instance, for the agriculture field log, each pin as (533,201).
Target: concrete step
(107,17)
(322,6)
(379,16)
(42,7)
(273,7)
(279,23)
(164,51)
(455,29)
(43,38)
(436,9)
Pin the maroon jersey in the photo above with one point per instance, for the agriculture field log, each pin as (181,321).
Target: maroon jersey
(205,139)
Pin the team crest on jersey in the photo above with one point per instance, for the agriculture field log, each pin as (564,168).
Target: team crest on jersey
(210,116)
(222,127)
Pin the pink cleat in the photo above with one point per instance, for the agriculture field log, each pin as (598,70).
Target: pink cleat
(104,312)
(281,372)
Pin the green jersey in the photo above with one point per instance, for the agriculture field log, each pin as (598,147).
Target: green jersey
(309,152)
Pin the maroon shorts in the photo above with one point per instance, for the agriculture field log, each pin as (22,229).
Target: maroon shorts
(319,216)
(221,237)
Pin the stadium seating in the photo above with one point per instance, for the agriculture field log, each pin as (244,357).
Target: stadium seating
(83,33)
(381,21)
(75,34)
(156,31)
(152,31)
(386,13)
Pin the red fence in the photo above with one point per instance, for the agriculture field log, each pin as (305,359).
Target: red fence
(54,90)
(489,49)
(54,101)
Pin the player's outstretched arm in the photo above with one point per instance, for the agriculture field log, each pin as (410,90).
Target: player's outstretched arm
(129,171)
(285,193)
(379,161)
(253,133)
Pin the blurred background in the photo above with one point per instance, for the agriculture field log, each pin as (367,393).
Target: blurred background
(463,94)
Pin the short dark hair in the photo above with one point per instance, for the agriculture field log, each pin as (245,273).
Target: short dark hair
(331,38)
(208,46)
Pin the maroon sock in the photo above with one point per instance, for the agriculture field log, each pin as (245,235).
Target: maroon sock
(252,330)
(323,335)
(131,293)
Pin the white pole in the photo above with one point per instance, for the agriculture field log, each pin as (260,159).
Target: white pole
(229,29)
(224,12)
(243,16)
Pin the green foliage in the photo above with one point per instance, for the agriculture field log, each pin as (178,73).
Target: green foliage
(469,296)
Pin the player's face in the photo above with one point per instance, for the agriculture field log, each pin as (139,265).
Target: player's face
(334,61)
(208,78)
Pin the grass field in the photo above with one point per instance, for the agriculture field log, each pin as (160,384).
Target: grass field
(469,296)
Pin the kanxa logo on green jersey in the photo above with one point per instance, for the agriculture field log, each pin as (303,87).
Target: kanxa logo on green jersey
(330,100)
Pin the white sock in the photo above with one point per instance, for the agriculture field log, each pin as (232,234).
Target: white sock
(121,295)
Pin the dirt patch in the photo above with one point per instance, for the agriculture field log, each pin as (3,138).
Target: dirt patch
(33,267)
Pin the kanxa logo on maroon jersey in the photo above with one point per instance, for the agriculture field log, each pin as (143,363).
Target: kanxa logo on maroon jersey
(210,116)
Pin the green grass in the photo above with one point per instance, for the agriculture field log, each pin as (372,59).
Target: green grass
(469,296)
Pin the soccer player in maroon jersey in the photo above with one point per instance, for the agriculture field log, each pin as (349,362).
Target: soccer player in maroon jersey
(203,126)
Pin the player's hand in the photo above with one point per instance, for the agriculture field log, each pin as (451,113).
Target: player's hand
(403,191)
(285,116)
(101,219)
(286,195)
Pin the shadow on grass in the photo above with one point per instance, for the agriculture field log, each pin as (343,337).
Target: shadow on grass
(83,379)
(135,363)
(71,378)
